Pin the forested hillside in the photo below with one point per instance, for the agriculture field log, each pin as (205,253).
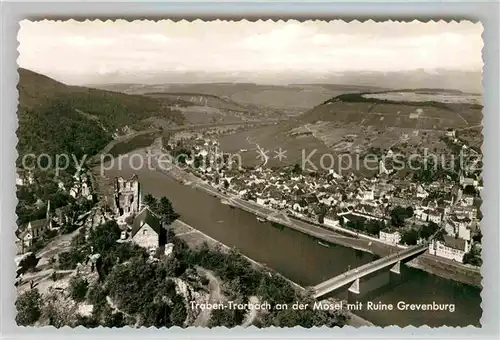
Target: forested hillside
(56,118)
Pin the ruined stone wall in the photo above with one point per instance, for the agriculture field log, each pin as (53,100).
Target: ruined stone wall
(127,196)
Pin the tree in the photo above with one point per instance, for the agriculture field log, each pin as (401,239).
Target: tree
(78,288)
(70,259)
(469,190)
(115,320)
(297,169)
(275,289)
(150,201)
(28,305)
(226,318)
(178,313)
(323,209)
(103,237)
(88,321)
(79,240)
(399,214)
(139,287)
(410,237)
(374,227)
(477,238)
(54,276)
(27,263)
(428,230)
(96,294)
(473,257)
(166,211)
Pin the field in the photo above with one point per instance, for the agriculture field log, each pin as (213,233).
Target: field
(200,99)
(139,141)
(473,136)
(424,97)
(272,139)
(417,117)
(344,132)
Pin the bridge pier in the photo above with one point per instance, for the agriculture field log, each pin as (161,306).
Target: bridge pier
(355,287)
(396,269)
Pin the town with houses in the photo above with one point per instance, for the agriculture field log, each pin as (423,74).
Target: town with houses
(368,206)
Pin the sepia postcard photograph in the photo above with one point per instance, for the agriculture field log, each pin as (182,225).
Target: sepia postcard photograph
(237,173)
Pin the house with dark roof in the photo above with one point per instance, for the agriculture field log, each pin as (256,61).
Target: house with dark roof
(452,248)
(27,234)
(147,231)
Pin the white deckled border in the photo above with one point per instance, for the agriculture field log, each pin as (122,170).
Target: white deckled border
(13,13)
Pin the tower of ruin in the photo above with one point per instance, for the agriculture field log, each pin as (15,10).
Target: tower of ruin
(127,196)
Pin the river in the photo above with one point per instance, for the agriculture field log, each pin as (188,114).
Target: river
(305,261)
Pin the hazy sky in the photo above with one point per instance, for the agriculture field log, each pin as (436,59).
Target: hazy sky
(79,52)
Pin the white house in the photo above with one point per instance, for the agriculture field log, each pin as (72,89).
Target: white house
(424,215)
(331,221)
(452,248)
(463,232)
(334,174)
(421,192)
(435,216)
(147,231)
(459,222)
(390,238)
(261,201)
(465,181)
(468,200)
(19,180)
(368,195)
(449,228)
(31,232)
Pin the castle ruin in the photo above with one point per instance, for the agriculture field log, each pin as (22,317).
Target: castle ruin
(127,196)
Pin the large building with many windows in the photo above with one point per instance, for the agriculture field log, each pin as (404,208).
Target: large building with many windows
(452,248)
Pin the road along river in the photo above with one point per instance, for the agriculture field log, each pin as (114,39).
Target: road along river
(306,261)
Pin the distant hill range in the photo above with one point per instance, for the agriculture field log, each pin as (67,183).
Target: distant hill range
(57,118)
(199,99)
(291,90)
(247,95)
(413,109)
(464,81)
